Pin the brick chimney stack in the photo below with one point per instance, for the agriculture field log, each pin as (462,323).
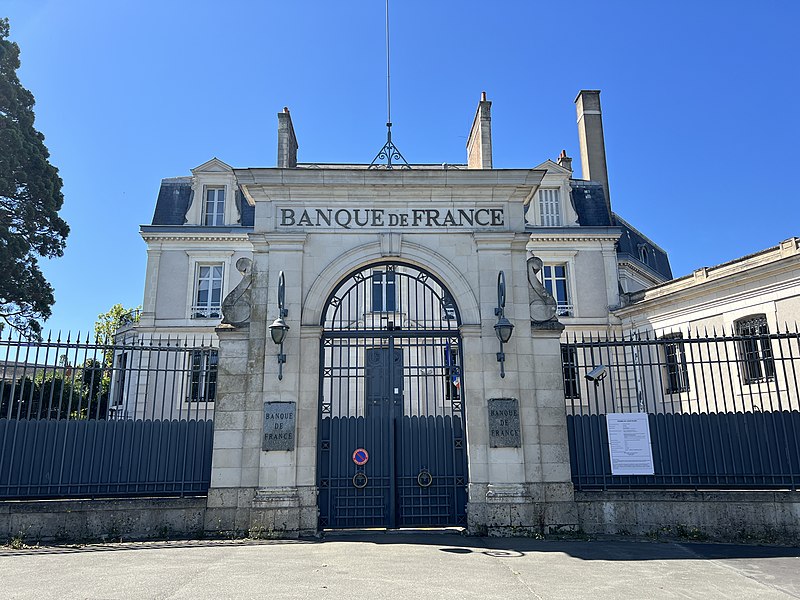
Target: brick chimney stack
(479,143)
(287,141)
(590,134)
(565,161)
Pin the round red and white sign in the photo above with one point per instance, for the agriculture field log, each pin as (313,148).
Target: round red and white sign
(360,457)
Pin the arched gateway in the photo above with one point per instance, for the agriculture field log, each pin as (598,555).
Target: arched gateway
(391,448)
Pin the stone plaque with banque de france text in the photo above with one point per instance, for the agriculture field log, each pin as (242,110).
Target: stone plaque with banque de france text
(504,430)
(279,426)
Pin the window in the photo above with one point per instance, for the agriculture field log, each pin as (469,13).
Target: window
(677,372)
(122,368)
(214,213)
(569,364)
(644,254)
(384,292)
(452,374)
(554,279)
(755,350)
(550,208)
(203,386)
(208,299)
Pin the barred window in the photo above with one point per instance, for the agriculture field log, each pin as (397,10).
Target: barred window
(755,349)
(677,372)
(569,363)
(203,387)
(550,208)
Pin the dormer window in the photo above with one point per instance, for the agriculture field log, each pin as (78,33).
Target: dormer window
(550,207)
(644,254)
(214,210)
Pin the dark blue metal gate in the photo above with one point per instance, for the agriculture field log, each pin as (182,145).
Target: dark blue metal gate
(390,385)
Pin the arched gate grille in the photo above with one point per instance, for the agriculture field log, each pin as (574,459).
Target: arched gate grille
(391,385)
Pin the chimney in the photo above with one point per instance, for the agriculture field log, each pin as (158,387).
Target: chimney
(287,142)
(590,135)
(564,161)
(479,143)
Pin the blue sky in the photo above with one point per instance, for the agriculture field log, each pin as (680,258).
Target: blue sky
(698,101)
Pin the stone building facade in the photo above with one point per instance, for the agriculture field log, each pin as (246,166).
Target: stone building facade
(390,287)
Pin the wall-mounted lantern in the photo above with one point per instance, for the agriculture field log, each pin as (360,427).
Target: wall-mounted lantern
(503,328)
(279,327)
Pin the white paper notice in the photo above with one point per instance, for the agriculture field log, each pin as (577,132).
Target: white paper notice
(629,444)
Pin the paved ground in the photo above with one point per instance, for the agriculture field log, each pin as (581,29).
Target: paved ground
(417,566)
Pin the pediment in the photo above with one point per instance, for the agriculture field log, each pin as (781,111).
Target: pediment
(214,165)
(552,167)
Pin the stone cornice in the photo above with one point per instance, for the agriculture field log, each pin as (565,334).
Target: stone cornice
(574,234)
(351,185)
(173,236)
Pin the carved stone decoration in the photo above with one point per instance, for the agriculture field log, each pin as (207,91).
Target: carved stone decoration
(236,306)
(543,305)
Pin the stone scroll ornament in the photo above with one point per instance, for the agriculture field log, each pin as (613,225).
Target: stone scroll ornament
(236,306)
(543,305)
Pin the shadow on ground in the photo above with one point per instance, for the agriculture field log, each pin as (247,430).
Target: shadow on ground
(454,543)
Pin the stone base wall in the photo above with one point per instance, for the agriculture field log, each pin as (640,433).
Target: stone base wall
(768,517)
(34,521)
(527,510)
(736,516)
(277,512)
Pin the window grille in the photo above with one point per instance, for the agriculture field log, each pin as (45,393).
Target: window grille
(755,351)
(204,376)
(569,362)
(675,364)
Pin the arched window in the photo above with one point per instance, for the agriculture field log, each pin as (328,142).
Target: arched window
(644,254)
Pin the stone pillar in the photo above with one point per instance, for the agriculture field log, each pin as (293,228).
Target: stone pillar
(232,463)
(520,483)
(239,412)
(554,489)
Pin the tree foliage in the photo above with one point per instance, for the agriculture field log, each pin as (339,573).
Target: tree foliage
(109,322)
(30,198)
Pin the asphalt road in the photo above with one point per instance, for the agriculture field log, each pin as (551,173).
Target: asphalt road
(417,566)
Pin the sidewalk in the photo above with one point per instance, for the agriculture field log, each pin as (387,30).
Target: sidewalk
(398,565)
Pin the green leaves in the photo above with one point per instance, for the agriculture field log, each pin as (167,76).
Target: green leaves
(30,198)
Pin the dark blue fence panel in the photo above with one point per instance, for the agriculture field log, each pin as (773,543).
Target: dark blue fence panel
(92,458)
(743,450)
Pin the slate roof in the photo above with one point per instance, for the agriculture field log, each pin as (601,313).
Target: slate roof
(175,197)
(632,240)
(590,203)
(593,210)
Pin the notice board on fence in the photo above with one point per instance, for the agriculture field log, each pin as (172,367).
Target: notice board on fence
(629,444)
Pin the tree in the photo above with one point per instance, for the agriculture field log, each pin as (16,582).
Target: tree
(109,322)
(30,198)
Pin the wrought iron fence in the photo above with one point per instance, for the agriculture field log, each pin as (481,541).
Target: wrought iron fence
(84,418)
(723,409)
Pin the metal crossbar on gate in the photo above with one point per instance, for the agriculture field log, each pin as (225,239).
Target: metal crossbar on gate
(125,417)
(723,409)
